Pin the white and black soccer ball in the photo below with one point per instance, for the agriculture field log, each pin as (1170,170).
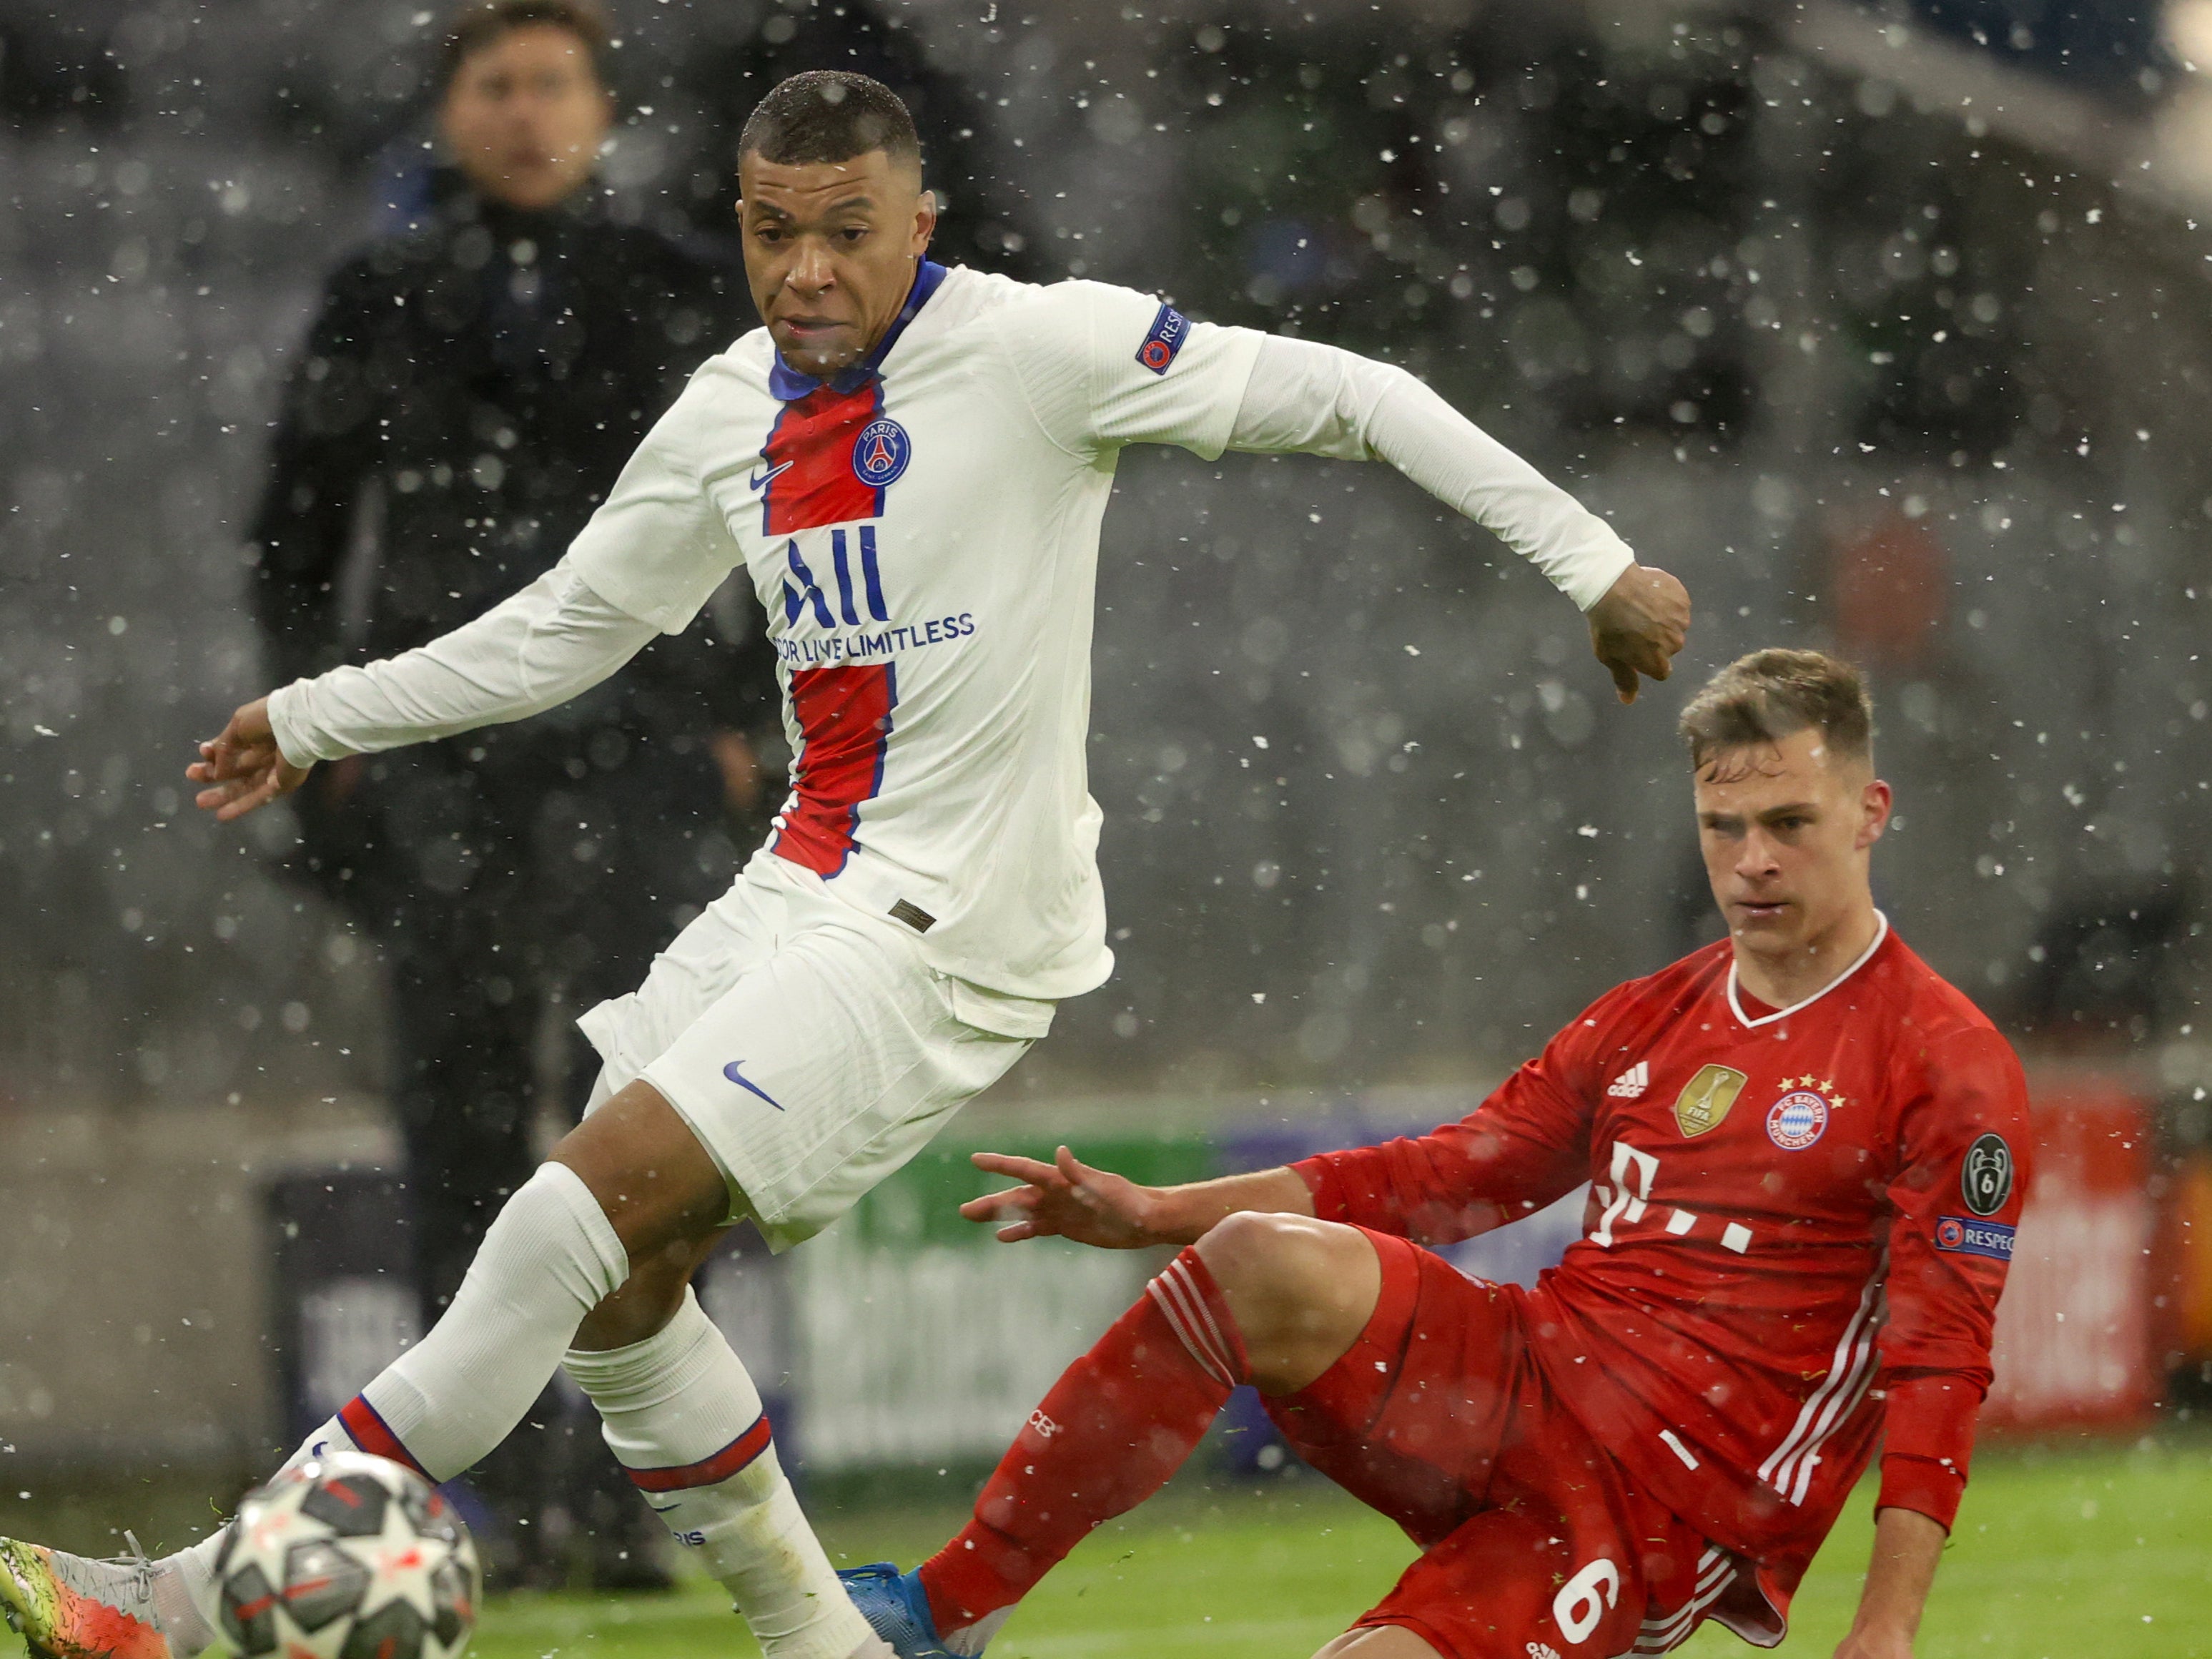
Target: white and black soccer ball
(348,1557)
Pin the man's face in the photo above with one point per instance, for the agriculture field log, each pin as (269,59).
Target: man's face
(1786,829)
(524,115)
(829,252)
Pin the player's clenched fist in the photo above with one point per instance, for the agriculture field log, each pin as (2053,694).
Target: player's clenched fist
(243,768)
(1638,626)
(1065,1198)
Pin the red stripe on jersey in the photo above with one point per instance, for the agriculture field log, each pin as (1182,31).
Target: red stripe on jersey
(809,458)
(844,718)
(708,1471)
(374,1435)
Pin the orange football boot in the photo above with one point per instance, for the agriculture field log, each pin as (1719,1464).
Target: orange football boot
(67,1607)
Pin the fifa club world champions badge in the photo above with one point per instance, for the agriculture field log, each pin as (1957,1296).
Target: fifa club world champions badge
(1706,1097)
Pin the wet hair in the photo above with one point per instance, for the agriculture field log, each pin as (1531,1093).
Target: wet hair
(830,115)
(1771,695)
(477,23)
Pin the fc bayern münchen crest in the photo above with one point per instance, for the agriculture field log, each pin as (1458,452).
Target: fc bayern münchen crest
(880,452)
(1797,1120)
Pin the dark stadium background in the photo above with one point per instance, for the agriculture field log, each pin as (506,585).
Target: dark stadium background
(1889,329)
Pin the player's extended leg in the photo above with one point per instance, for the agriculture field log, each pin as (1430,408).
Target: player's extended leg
(829,1056)
(684,1417)
(563,1245)
(1271,1300)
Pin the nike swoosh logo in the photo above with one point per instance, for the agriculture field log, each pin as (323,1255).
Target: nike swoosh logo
(759,481)
(739,1078)
(661,1509)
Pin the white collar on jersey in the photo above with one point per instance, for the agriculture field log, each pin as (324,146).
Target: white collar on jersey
(1736,1007)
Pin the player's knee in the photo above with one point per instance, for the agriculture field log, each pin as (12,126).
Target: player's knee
(1277,1270)
(645,1304)
(658,1185)
(1245,1251)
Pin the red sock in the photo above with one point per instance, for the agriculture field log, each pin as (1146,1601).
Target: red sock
(1119,1422)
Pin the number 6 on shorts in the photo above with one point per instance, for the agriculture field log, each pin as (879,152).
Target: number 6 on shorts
(1578,1607)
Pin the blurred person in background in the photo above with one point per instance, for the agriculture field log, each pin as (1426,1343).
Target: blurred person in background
(466,397)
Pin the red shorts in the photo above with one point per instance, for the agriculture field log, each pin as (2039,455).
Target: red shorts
(1534,1542)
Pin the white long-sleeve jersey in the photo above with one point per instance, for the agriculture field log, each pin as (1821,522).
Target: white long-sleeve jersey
(922,531)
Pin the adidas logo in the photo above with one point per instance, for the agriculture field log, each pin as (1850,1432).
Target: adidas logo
(1631,1083)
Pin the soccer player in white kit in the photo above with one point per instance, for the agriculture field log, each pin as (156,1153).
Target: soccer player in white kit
(909,463)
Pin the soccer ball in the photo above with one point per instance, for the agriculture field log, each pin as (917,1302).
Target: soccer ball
(348,1557)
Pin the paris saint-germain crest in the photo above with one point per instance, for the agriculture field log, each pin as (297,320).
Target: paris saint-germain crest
(880,452)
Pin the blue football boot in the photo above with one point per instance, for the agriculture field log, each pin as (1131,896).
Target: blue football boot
(892,1601)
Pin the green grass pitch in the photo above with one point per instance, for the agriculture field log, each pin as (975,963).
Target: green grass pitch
(2058,1554)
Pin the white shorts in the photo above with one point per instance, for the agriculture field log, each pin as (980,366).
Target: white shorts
(808,1044)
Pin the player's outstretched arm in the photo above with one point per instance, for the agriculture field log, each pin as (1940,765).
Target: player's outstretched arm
(1069,1199)
(646,564)
(534,650)
(242,767)
(1907,1545)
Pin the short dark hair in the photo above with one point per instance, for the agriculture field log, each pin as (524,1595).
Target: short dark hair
(830,115)
(1770,694)
(476,23)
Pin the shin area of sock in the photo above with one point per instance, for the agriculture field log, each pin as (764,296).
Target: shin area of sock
(672,1400)
(684,1417)
(549,1259)
(1119,1422)
(752,1537)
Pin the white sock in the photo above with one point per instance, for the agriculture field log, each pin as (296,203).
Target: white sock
(183,1583)
(684,1417)
(550,1258)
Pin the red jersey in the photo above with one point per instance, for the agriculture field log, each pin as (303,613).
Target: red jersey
(1799,1224)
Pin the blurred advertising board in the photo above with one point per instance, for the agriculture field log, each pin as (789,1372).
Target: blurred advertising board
(2074,1338)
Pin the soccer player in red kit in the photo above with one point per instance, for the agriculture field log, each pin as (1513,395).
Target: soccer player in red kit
(1805,1157)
